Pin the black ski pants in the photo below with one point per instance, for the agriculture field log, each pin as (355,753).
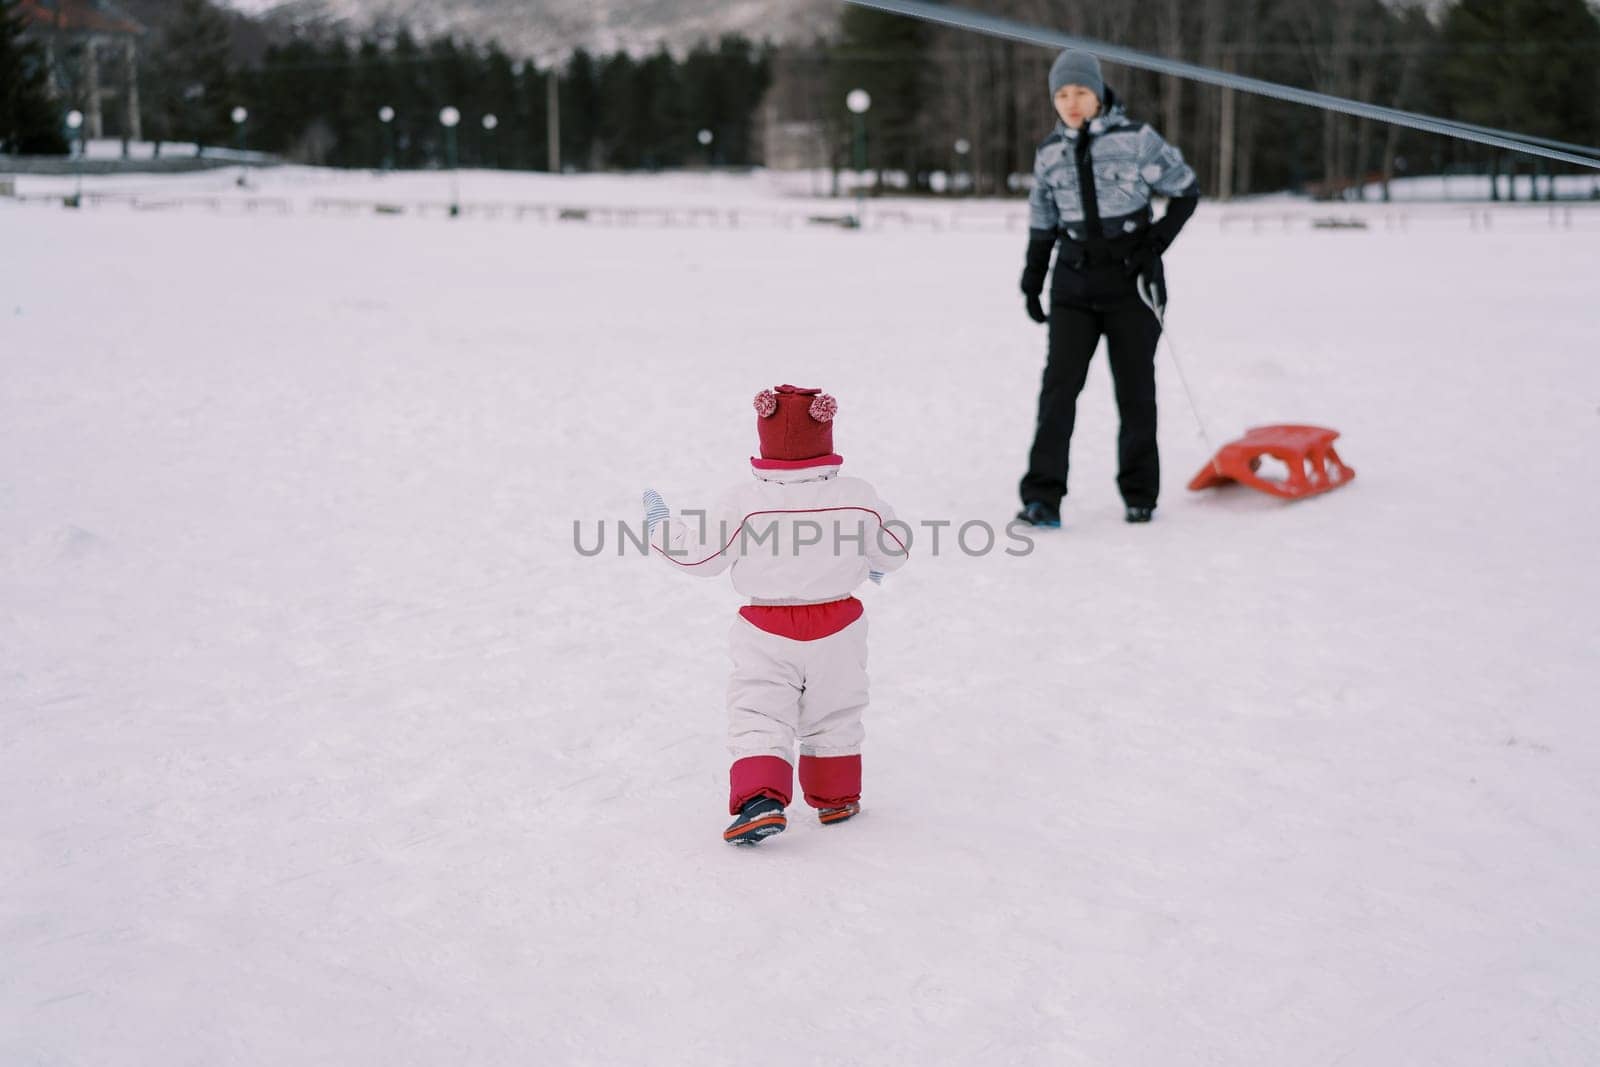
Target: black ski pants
(1131,331)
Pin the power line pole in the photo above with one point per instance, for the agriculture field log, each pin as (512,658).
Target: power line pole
(1225,139)
(552,98)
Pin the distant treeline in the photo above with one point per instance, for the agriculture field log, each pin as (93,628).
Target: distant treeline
(320,101)
(317,98)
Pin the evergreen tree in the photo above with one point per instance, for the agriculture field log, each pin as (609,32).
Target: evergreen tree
(279,101)
(449,75)
(415,113)
(1527,65)
(617,131)
(190,86)
(371,88)
(29,123)
(1524,65)
(496,94)
(886,55)
(580,106)
(721,89)
(664,134)
(336,93)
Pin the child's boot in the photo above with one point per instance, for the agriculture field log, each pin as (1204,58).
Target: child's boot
(829,816)
(760,818)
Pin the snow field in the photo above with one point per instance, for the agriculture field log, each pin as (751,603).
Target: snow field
(322,744)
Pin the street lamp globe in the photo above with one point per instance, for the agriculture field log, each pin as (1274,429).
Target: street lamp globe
(705,137)
(386,114)
(74,119)
(238,115)
(963,146)
(858,101)
(490,122)
(449,117)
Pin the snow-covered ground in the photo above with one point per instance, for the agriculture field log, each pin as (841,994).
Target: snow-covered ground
(320,742)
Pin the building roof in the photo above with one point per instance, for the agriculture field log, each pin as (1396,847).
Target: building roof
(77,16)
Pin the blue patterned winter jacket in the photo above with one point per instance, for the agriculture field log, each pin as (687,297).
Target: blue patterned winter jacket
(1131,162)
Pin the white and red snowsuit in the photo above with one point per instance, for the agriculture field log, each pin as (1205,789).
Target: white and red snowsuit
(797,539)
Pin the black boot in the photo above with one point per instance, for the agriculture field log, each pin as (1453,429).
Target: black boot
(1038,513)
(1138,514)
(760,818)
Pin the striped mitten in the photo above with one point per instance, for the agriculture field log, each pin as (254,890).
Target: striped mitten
(655,510)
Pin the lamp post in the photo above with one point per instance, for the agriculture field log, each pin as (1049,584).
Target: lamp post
(490,124)
(75,124)
(193,99)
(705,137)
(240,116)
(386,119)
(858,101)
(450,118)
(963,146)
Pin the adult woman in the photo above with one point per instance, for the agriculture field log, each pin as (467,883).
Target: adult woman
(1093,180)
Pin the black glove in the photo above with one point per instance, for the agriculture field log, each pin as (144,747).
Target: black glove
(1035,310)
(1145,257)
(1153,290)
(1149,277)
(1168,226)
(1040,244)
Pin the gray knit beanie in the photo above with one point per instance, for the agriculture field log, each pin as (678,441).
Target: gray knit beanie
(1077,68)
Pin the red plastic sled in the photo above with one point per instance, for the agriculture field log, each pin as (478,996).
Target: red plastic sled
(1314,467)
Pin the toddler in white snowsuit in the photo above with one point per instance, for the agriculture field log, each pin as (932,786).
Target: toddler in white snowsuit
(797,539)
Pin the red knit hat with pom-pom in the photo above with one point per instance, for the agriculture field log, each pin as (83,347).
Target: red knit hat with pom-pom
(794,423)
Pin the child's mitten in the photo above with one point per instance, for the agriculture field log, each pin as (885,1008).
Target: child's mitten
(655,510)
